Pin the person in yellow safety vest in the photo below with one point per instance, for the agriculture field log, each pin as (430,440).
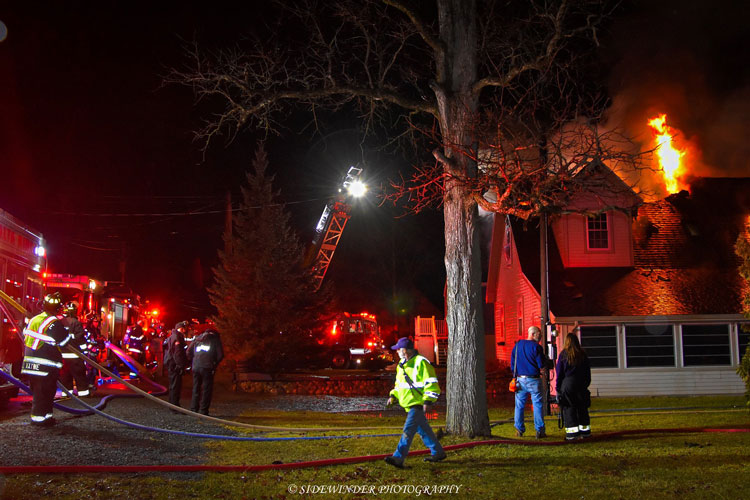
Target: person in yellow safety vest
(74,368)
(44,336)
(416,388)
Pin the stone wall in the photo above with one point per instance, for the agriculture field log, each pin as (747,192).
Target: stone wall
(351,385)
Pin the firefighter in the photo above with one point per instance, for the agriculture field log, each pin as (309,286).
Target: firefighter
(416,388)
(136,345)
(74,368)
(175,361)
(206,352)
(44,336)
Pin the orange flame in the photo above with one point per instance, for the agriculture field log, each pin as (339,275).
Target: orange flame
(670,158)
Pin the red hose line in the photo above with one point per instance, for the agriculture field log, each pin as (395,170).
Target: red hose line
(84,469)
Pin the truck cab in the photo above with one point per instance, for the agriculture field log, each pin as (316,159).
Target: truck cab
(355,342)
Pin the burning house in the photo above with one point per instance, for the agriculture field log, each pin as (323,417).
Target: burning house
(652,290)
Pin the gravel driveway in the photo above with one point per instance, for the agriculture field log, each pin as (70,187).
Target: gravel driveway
(96,440)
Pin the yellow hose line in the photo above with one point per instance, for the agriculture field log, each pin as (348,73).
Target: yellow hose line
(230,423)
(13,303)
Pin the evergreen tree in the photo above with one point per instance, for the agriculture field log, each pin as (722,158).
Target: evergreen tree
(268,310)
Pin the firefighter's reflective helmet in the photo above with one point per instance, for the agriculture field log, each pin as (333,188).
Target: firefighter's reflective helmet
(71,308)
(52,303)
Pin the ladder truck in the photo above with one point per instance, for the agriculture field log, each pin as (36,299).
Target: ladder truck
(353,339)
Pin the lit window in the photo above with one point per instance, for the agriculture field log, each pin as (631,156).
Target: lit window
(597,232)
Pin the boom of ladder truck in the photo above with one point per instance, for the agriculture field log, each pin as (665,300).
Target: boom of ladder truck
(353,340)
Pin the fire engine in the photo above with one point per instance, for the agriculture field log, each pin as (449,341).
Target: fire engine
(22,260)
(355,342)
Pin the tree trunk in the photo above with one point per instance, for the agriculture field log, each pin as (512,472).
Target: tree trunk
(457,70)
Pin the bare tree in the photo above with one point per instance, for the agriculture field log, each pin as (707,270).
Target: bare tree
(480,78)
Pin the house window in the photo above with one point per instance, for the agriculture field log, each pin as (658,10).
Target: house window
(507,245)
(520,318)
(649,345)
(743,339)
(597,232)
(600,343)
(500,320)
(705,345)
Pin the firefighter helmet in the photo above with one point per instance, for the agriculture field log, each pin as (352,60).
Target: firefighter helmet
(71,308)
(52,303)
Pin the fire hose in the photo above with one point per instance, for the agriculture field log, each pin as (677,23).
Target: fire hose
(83,469)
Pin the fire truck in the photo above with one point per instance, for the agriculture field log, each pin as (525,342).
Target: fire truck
(22,261)
(354,342)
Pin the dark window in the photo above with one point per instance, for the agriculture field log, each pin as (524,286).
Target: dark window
(598,234)
(600,343)
(743,337)
(649,345)
(705,345)
(507,248)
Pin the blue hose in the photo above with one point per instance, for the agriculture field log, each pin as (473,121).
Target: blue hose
(213,436)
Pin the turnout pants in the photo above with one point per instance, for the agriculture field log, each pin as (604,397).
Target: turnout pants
(574,404)
(75,370)
(43,390)
(203,387)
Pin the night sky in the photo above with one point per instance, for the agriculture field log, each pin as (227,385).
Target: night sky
(88,130)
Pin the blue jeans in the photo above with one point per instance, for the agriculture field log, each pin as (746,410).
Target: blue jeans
(417,423)
(527,386)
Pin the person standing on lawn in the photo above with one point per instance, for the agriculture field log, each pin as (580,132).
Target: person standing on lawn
(416,389)
(529,361)
(573,379)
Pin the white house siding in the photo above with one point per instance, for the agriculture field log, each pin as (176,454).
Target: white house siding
(665,381)
(675,380)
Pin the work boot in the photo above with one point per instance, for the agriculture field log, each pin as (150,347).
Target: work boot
(541,434)
(396,462)
(519,434)
(45,423)
(436,458)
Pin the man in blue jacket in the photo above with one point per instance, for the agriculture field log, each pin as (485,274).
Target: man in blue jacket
(528,362)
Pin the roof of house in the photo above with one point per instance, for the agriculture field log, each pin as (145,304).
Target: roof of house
(683,252)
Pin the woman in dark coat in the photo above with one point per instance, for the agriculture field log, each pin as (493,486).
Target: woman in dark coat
(573,379)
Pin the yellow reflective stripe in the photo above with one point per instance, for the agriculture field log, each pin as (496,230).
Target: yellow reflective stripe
(431,380)
(571,430)
(46,323)
(584,427)
(34,372)
(40,336)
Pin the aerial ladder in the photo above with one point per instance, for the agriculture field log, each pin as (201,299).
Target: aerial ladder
(332,223)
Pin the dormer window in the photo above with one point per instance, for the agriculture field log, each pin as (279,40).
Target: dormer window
(597,232)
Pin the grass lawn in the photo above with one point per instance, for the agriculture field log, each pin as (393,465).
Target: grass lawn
(689,465)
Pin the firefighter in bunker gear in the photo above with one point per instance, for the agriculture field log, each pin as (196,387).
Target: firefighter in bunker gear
(136,344)
(175,361)
(206,352)
(44,336)
(416,388)
(74,368)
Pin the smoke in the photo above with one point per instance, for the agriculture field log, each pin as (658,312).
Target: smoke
(689,62)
